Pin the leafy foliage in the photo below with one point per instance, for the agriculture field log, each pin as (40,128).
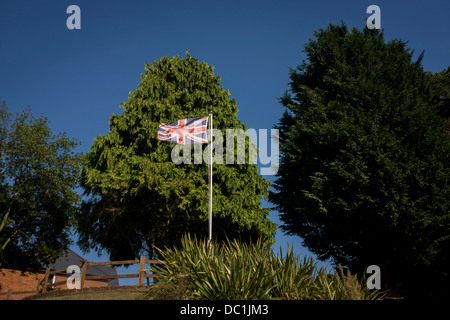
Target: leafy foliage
(38,174)
(365,171)
(139,198)
(236,270)
(169,290)
(441,88)
(233,270)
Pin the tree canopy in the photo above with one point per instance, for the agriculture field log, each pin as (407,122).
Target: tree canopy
(38,176)
(441,88)
(138,198)
(364,176)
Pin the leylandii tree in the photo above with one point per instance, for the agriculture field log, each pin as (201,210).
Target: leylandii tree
(365,171)
(441,88)
(139,198)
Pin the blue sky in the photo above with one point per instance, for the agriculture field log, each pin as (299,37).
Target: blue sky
(78,78)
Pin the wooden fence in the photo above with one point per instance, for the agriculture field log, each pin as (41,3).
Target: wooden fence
(43,284)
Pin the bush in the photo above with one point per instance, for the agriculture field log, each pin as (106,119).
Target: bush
(233,270)
(170,290)
(344,286)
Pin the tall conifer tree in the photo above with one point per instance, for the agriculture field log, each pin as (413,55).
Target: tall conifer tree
(365,171)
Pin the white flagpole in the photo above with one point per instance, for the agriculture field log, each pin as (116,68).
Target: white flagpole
(210,177)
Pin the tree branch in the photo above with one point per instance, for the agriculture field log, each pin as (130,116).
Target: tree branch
(7,212)
(6,243)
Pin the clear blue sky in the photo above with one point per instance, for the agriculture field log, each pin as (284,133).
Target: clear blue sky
(78,78)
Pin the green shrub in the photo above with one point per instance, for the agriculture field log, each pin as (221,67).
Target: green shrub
(292,278)
(233,270)
(170,290)
(344,286)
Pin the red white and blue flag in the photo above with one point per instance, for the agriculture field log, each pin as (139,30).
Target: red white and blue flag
(184,131)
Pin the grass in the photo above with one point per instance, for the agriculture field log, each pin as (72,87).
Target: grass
(110,295)
(96,293)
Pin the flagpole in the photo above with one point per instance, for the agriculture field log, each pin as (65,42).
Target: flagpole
(210,177)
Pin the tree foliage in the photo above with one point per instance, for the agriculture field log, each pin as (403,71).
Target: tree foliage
(138,198)
(365,171)
(38,174)
(441,88)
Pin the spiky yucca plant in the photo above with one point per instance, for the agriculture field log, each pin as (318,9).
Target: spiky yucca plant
(233,270)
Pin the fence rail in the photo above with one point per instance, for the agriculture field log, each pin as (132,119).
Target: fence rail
(43,283)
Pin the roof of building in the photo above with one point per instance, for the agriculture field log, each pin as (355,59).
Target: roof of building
(71,258)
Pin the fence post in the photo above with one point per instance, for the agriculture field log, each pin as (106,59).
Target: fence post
(44,285)
(39,285)
(83,273)
(141,271)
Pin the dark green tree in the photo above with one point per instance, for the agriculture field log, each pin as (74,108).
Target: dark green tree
(137,197)
(441,88)
(364,176)
(38,175)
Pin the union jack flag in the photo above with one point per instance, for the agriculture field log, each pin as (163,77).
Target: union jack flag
(184,131)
